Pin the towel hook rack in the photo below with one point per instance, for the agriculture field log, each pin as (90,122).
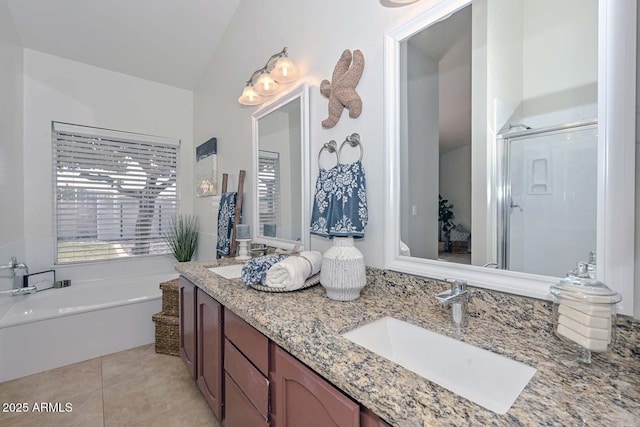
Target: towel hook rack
(331,147)
(354,141)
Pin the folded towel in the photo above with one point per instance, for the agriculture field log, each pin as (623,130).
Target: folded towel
(254,272)
(226,214)
(292,272)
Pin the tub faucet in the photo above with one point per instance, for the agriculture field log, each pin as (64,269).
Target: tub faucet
(458,298)
(13,266)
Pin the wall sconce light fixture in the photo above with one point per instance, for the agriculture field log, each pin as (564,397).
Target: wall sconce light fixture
(266,81)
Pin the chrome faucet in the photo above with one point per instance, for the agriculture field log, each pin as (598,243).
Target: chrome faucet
(13,266)
(458,298)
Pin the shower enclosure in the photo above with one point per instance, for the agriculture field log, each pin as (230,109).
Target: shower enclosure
(547,198)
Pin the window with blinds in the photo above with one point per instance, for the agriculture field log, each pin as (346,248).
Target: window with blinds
(115,193)
(268,188)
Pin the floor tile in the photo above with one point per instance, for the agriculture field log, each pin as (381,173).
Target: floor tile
(136,363)
(55,385)
(135,387)
(158,392)
(84,410)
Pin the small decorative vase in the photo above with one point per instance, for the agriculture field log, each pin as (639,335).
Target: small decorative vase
(343,272)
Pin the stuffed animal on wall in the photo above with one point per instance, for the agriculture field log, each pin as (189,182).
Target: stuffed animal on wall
(341,91)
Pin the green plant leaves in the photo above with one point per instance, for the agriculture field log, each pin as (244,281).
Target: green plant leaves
(182,236)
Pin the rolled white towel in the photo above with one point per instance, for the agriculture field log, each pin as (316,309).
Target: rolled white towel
(292,272)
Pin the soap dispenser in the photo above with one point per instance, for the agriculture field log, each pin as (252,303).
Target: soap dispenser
(584,313)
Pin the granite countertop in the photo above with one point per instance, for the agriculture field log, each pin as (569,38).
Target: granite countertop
(562,392)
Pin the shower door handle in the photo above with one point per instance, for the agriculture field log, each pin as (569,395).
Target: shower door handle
(515,205)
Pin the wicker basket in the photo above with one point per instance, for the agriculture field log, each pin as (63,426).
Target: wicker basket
(167,334)
(170,297)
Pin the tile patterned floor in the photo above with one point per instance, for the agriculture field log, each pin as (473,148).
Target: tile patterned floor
(136,387)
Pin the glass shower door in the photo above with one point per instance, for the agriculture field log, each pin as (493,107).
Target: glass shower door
(550,192)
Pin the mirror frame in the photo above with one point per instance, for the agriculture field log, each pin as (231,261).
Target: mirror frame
(616,161)
(299,92)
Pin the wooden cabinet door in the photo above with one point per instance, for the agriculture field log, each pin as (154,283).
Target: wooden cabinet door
(369,419)
(209,345)
(187,305)
(302,398)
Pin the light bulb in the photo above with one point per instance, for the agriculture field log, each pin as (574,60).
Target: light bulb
(266,86)
(284,70)
(249,96)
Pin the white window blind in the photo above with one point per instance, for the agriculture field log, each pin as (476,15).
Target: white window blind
(115,192)
(268,188)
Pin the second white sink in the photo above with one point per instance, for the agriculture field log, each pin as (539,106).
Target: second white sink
(232,271)
(486,378)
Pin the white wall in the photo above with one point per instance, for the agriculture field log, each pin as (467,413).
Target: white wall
(420,226)
(57,89)
(496,96)
(455,183)
(560,61)
(316,33)
(11,166)
(455,102)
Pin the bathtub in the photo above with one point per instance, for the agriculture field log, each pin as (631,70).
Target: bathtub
(57,327)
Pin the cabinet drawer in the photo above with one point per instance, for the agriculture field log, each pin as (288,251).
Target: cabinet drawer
(239,412)
(248,378)
(248,340)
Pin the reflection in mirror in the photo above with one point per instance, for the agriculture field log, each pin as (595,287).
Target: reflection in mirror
(506,120)
(549,181)
(280,152)
(496,96)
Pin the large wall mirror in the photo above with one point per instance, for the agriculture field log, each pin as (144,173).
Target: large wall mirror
(281,170)
(506,164)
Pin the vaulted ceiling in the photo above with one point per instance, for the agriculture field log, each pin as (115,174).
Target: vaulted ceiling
(167,41)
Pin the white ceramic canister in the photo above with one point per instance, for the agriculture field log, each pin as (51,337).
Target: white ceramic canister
(343,272)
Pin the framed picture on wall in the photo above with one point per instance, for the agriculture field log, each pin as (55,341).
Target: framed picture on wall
(207,168)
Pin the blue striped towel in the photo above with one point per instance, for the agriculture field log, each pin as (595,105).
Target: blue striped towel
(226,214)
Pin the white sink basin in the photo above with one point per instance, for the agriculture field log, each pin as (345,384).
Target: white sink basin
(229,271)
(486,378)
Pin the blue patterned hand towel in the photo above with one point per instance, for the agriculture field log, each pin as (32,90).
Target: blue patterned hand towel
(226,214)
(254,272)
(323,201)
(340,203)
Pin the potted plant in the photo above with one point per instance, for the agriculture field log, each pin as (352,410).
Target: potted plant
(182,236)
(445,220)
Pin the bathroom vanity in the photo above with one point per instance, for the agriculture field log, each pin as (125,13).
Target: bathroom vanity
(273,354)
(263,384)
